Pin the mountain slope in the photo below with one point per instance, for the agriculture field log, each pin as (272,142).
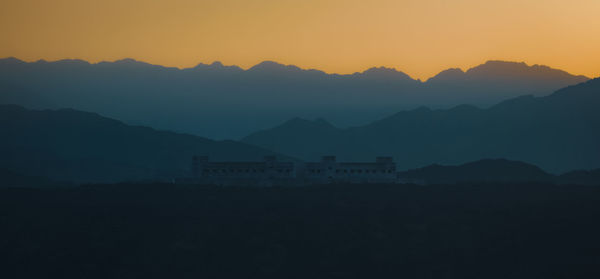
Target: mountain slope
(12,179)
(215,100)
(591,177)
(487,170)
(560,132)
(495,171)
(85,147)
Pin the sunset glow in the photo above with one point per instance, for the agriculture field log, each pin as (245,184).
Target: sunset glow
(419,37)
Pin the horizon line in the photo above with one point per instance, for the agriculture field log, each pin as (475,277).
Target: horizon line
(218,62)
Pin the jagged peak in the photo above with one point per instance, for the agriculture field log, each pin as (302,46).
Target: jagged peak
(216,65)
(492,69)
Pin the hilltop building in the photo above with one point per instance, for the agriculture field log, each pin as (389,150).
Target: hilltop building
(264,172)
(270,171)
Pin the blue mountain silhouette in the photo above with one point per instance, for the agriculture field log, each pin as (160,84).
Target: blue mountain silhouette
(70,145)
(218,101)
(559,132)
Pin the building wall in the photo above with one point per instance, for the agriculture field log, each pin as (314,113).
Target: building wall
(270,171)
(330,171)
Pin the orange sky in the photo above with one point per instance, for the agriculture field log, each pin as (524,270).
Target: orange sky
(419,37)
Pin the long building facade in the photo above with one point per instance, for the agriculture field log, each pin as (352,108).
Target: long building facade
(270,171)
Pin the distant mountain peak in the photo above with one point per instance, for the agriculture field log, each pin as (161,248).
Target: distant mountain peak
(61,63)
(499,69)
(216,65)
(322,121)
(12,60)
(73,62)
(384,73)
(505,63)
(451,74)
(297,121)
(272,66)
(129,61)
(126,60)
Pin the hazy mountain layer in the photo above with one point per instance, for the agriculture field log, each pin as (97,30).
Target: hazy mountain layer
(219,101)
(85,147)
(560,132)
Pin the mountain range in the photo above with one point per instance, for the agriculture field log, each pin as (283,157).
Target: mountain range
(227,102)
(40,148)
(82,147)
(559,132)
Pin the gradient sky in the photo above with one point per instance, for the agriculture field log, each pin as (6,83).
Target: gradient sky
(419,37)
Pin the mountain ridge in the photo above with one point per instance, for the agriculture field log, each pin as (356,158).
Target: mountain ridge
(214,100)
(274,65)
(559,133)
(84,147)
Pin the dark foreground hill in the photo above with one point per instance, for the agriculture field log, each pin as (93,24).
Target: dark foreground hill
(558,133)
(362,231)
(12,179)
(495,171)
(216,101)
(84,147)
(499,170)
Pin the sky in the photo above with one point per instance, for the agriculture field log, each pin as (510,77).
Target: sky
(418,37)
